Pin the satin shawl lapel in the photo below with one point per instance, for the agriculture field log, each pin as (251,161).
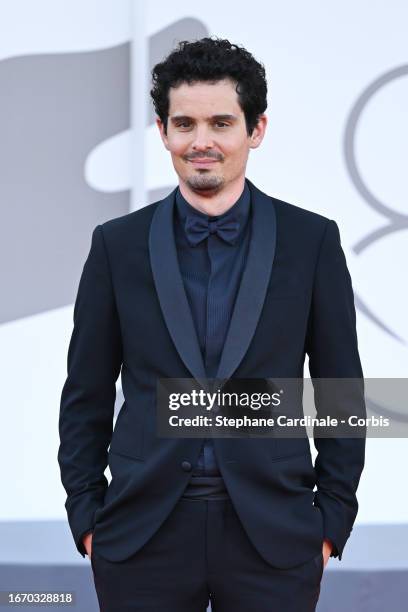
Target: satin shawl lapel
(254,283)
(170,288)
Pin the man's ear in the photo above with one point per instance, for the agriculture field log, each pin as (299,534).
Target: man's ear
(163,136)
(258,132)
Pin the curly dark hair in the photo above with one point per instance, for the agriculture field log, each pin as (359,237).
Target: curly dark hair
(211,59)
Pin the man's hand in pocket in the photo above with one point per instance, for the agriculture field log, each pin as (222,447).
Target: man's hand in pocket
(87,542)
(327,549)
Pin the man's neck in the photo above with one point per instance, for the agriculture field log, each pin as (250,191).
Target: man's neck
(214,203)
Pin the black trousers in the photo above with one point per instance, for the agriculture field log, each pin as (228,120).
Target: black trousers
(202,554)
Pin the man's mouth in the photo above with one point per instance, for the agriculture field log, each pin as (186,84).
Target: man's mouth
(203,161)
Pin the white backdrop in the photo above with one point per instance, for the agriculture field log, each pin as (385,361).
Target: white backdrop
(320,58)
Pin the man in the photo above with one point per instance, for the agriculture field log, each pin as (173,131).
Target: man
(216,280)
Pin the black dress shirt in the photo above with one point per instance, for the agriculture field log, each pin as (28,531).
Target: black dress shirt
(211,271)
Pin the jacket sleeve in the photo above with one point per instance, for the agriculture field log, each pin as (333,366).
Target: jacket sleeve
(88,396)
(333,354)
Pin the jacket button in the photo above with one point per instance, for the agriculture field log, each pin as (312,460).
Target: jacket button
(186,465)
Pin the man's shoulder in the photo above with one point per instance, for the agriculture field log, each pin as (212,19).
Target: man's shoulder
(136,219)
(293,213)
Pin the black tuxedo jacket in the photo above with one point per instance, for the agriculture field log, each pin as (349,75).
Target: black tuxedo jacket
(132,317)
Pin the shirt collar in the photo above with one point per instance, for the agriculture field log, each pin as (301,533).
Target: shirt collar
(240,209)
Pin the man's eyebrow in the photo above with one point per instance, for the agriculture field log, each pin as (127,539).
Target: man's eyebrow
(223,117)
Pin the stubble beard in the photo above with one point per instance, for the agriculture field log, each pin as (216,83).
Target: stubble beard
(205,182)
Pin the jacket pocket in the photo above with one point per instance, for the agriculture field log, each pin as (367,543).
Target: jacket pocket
(127,438)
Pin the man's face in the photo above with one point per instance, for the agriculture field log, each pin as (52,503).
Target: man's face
(206,135)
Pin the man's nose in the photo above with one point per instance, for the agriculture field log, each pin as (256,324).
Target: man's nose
(202,140)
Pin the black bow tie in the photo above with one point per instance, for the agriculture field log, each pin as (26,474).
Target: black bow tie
(197,229)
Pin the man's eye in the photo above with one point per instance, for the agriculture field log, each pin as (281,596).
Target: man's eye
(184,124)
(221,124)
